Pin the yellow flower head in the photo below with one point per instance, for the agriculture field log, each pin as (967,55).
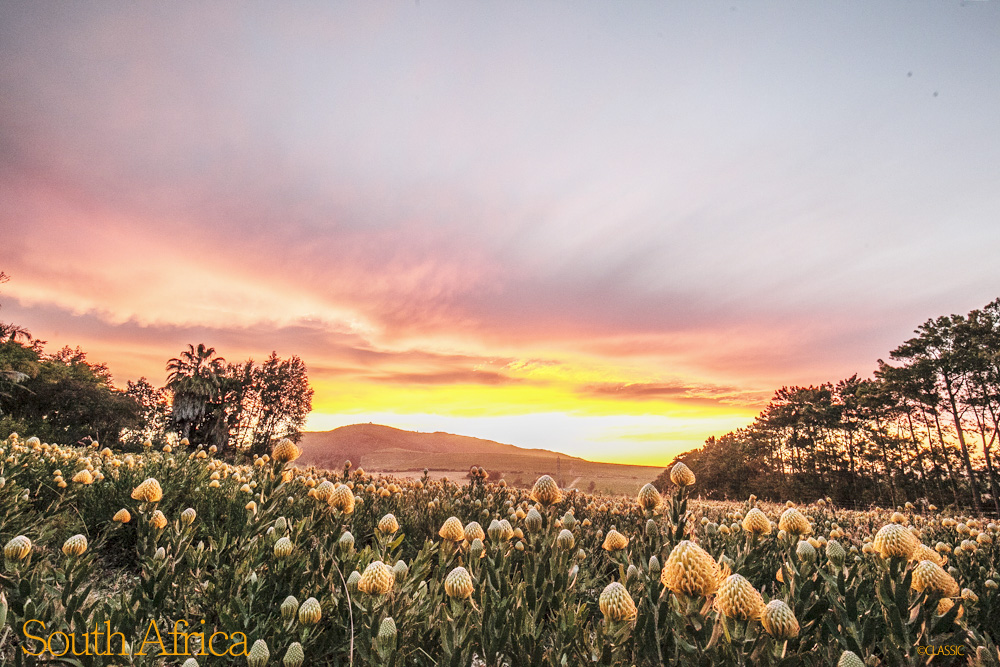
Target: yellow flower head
(286,451)
(342,499)
(294,656)
(310,612)
(323,491)
(452,530)
(681,475)
(545,491)
(929,576)
(565,540)
(616,604)
(779,620)
(122,516)
(614,541)
(75,545)
(794,522)
(690,570)
(474,531)
(158,520)
(149,491)
(18,548)
(945,605)
(649,498)
(756,522)
(458,584)
(83,477)
(388,524)
(289,607)
(737,598)
(283,547)
(894,540)
(924,552)
(377,579)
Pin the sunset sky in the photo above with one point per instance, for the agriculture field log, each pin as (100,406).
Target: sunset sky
(610,229)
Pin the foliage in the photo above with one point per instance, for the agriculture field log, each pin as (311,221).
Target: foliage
(257,534)
(246,404)
(923,427)
(63,396)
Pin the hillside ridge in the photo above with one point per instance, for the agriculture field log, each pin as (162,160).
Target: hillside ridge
(380,448)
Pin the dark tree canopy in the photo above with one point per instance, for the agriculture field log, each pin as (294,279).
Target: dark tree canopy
(924,427)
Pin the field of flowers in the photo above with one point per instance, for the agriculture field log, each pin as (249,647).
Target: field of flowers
(178,558)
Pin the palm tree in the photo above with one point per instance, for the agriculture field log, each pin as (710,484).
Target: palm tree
(194,378)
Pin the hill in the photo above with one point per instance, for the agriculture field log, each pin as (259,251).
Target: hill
(379,448)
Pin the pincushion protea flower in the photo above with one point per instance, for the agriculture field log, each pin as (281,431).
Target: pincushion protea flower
(377,579)
(188,516)
(310,612)
(805,551)
(929,576)
(737,598)
(614,541)
(342,499)
(835,552)
(294,655)
(565,540)
(533,521)
(452,530)
(690,570)
(283,547)
(17,548)
(474,531)
(149,491)
(779,620)
(75,545)
(385,641)
(546,491)
(945,605)
(681,475)
(400,570)
(894,540)
(793,522)
(83,477)
(323,491)
(122,516)
(388,524)
(649,498)
(924,552)
(756,522)
(286,451)
(850,659)
(289,608)
(458,584)
(259,654)
(158,520)
(616,604)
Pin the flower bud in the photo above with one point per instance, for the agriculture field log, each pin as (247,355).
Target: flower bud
(310,612)
(289,608)
(258,655)
(294,655)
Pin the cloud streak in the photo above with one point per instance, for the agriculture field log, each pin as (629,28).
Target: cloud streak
(672,208)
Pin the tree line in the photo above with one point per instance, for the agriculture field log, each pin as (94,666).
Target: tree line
(922,428)
(63,397)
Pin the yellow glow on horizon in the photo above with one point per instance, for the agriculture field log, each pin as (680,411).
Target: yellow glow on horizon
(651,440)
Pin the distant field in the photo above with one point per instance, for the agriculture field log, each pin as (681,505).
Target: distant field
(405,453)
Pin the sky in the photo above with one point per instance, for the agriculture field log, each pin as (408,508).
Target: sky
(610,229)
